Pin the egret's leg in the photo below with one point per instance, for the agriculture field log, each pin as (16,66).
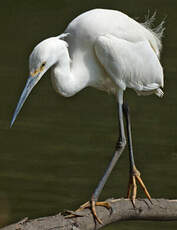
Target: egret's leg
(134,173)
(118,150)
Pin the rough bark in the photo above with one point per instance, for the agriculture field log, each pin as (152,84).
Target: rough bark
(122,210)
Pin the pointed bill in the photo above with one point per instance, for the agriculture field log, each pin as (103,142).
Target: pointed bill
(31,82)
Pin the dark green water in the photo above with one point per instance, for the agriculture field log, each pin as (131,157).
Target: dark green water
(58,148)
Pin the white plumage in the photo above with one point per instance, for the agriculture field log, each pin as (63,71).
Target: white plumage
(105,49)
(127,51)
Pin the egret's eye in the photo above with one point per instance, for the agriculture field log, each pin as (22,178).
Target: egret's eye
(33,74)
(43,64)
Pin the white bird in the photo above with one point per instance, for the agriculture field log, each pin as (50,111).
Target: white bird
(110,51)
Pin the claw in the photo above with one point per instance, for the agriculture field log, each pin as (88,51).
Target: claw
(134,190)
(144,188)
(92,205)
(129,188)
(83,206)
(132,187)
(72,214)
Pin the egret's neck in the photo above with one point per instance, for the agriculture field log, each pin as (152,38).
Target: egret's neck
(66,80)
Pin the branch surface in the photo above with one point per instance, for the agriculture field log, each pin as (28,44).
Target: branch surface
(122,210)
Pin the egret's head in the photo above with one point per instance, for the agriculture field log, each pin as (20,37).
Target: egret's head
(46,54)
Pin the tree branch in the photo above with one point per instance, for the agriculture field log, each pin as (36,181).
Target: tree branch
(122,209)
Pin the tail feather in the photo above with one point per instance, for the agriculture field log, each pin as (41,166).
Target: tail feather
(159,92)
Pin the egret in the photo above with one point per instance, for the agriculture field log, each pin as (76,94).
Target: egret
(110,51)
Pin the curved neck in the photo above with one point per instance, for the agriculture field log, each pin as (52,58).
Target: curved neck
(65,78)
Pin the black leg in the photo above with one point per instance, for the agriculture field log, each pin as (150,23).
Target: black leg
(119,149)
(129,136)
(134,173)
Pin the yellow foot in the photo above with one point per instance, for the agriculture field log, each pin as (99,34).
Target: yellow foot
(132,187)
(92,204)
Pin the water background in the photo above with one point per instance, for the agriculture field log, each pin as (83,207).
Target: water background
(58,148)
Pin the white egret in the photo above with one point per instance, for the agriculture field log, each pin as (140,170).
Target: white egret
(110,51)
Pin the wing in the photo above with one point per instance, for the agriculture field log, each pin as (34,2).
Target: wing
(129,64)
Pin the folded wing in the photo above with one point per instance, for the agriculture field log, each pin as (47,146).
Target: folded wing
(130,64)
